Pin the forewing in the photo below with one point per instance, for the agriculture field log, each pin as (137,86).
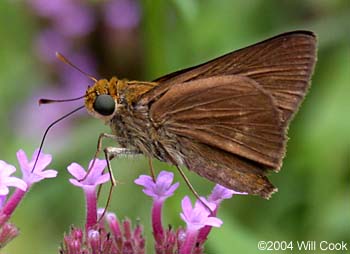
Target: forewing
(282,65)
(230,113)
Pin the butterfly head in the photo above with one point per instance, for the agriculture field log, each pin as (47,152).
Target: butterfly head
(101,99)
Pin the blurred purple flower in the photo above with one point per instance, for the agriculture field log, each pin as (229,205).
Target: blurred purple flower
(76,83)
(49,8)
(6,180)
(77,20)
(122,14)
(41,117)
(71,18)
(161,189)
(48,42)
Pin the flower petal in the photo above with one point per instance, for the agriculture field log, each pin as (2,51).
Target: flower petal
(43,161)
(75,182)
(213,221)
(16,182)
(144,180)
(165,178)
(199,205)
(22,160)
(150,193)
(172,189)
(98,168)
(49,173)
(186,206)
(103,179)
(4,190)
(6,169)
(76,170)
(27,166)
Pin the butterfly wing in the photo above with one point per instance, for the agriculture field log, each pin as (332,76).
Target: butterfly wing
(282,65)
(229,116)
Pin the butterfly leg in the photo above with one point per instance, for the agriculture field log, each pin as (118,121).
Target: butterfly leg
(99,148)
(110,154)
(150,163)
(192,189)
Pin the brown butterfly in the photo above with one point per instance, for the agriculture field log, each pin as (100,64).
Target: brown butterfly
(226,119)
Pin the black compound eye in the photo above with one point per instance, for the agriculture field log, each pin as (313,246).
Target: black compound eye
(104,104)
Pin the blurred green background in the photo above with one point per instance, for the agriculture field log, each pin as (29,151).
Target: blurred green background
(149,39)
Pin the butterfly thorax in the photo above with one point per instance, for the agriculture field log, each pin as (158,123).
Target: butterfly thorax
(129,121)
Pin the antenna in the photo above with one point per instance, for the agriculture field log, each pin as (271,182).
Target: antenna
(48,101)
(47,130)
(66,61)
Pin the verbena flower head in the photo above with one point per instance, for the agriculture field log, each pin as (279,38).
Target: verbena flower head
(39,172)
(161,189)
(94,178)
(103,239)
(198,216)
(6,180)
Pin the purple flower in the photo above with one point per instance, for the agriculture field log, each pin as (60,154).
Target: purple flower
(122,14)
(6,180)
(28,177)
(100,240)
(71,18)
(161,189)
(94,178)
(41,117)
(75,83)
(220,193)
(89,185)
(39,172)
(198,216)
(49,8)
(77,20)
(48,42)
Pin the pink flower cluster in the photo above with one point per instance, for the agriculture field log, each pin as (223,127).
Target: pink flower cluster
(30,175)
(108,235)
(199,220)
